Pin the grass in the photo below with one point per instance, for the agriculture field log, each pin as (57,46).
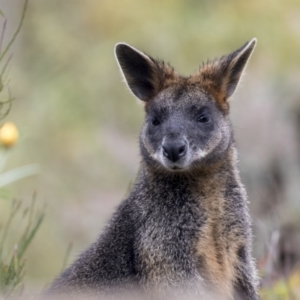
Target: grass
(13,246)
(12,260)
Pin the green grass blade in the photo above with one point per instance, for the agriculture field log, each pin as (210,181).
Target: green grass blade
(16,32)
(17,174)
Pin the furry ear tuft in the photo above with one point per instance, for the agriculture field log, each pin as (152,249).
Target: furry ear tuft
(220,78)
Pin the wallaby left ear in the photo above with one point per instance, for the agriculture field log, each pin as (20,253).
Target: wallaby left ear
(221,77)
(139,71)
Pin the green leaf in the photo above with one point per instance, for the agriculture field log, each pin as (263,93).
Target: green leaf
(17,174)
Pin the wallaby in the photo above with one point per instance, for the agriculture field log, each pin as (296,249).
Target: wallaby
(185,230)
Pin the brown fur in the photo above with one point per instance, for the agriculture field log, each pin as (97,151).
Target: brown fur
(206,77)
(213,245)
(167,77)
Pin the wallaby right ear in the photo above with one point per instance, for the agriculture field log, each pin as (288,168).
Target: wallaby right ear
(139,71)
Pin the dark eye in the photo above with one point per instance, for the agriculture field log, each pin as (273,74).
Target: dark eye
(204,118)
(155,122)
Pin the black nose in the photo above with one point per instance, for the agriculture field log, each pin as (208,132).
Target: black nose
(174,150)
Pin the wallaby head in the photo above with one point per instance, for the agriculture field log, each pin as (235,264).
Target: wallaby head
(187,125)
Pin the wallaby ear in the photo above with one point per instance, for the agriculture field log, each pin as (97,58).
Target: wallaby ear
(221,77)
(236,63)
(139,71)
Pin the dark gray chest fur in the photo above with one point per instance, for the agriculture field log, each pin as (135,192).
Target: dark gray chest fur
(168,235)
(170,220)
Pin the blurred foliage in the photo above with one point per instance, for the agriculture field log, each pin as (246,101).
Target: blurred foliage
(27,220)
(12,261)
(4,63)
(82,125)
(283,289)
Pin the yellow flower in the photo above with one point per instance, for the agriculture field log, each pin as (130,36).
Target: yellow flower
(9,134)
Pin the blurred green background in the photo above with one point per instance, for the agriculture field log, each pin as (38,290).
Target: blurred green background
(78,121)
